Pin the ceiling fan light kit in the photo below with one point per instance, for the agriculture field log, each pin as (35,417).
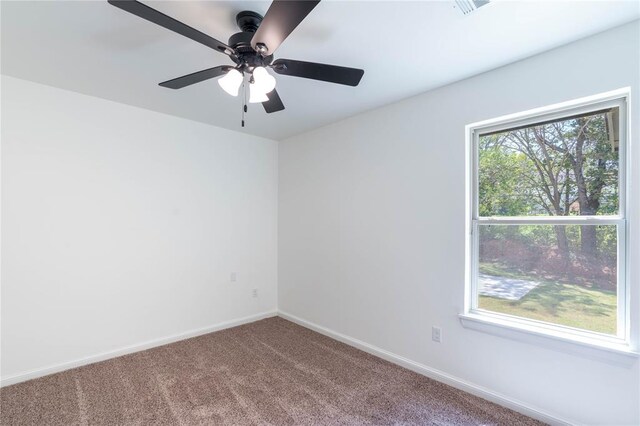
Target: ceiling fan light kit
(256,95)
(231,82)
(263,81)
(251,50)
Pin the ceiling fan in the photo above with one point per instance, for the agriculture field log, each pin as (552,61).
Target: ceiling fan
(252,51)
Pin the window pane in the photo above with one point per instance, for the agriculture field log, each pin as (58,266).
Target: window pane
(560,274)
(560,168)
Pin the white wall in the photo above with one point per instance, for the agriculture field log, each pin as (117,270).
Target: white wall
(371,230)
(122,225)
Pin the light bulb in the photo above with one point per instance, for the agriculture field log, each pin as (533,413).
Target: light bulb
(256,94)
(231,82)
(265,81)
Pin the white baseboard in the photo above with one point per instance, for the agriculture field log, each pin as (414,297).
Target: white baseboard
(432,373)
(17,378)
(381,353)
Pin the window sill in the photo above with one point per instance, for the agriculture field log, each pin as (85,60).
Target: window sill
(584,344)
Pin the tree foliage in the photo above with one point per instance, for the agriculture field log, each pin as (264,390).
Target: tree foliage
(560,168)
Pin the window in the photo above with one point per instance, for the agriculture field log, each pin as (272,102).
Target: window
(547,221)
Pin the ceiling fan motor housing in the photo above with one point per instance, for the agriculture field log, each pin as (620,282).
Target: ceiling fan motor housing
(248,22)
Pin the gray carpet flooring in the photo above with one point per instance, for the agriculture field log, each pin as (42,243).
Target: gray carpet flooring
(267,372)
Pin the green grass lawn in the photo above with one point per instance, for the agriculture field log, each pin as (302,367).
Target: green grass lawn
(558,303)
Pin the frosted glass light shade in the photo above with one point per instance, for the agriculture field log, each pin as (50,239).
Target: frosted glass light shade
(256,95)
(263,80)
(231,82)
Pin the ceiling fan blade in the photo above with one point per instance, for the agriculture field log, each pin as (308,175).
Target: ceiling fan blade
(315,71)
(274,104)
(159,18)
(281,19)
(196,77)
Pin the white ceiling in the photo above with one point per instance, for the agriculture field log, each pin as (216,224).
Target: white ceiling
(405,48)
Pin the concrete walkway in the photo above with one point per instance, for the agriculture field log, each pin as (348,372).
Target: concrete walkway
(504,288)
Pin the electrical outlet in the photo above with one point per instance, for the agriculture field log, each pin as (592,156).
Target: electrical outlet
(254,292)
(436,334)
(234,277)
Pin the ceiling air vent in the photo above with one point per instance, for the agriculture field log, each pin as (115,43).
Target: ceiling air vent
(468,6)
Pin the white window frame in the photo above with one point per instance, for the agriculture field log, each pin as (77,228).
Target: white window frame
(504,324)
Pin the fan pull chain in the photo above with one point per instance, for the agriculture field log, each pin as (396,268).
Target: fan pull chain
(244,100)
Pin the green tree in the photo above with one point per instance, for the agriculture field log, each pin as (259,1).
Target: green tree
(558,168)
